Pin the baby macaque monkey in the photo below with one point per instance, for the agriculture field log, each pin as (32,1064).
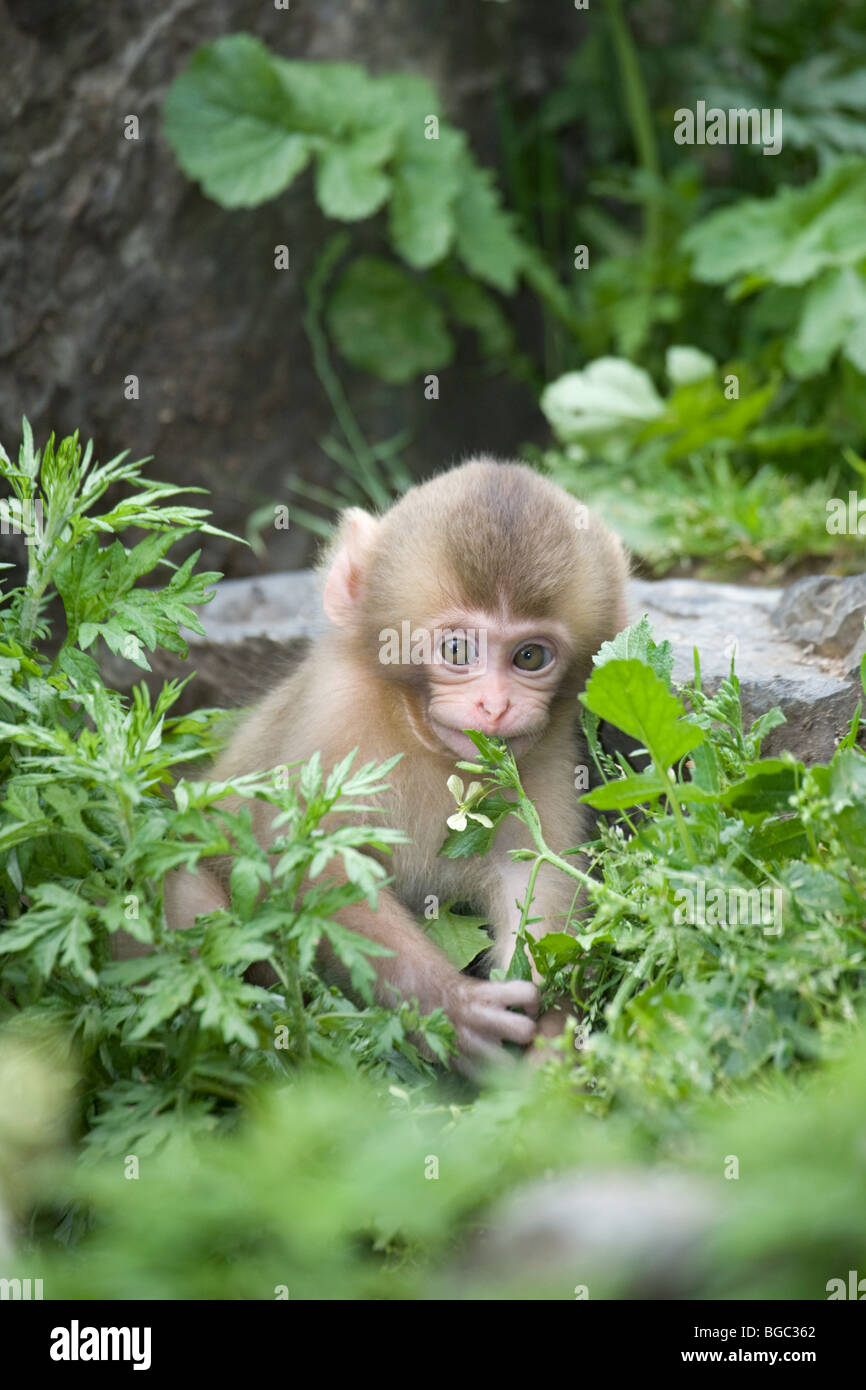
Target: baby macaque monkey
(507,587)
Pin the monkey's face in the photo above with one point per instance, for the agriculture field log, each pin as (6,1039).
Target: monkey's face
(497,677)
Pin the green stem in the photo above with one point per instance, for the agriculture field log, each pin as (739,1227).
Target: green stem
(628,983)
(364,457)
(290,980)
(530,893)
(640,117)
(676,808)
(529,815)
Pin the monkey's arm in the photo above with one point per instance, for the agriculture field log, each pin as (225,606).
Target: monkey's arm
(479,1009)
(187,895)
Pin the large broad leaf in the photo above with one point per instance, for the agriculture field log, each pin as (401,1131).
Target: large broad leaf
(633,698)
(331,100)
(765,790)
(384,321)
(787,239)
(244,122)
(231,124)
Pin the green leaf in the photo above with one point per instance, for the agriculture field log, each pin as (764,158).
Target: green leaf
(486,241)
(426,183)
(633,698)
(248,876)
(350,182)
(778,840)
(475,307)
(637,643)
(385,322)
(789,238)
(847,795)
(231,123)
(462,938)
(765,790)
(555,949)
(832,319)
(622,792)
(477,838)
(355,952)
(57,925)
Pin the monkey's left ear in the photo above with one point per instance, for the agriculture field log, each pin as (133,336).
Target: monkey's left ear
(343,585)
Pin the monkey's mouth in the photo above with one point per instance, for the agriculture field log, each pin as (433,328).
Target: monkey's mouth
(458,742)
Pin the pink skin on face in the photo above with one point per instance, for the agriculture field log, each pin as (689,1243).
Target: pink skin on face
(485,690)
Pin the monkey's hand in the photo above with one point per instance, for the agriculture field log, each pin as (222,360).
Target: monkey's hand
(552,1025)
(481,1011)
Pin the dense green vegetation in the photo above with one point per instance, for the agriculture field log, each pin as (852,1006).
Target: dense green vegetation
(650,268)
(722,942)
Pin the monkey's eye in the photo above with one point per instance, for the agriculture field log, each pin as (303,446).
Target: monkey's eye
(459,651)
(532,656)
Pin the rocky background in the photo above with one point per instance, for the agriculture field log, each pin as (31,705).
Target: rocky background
(112,263)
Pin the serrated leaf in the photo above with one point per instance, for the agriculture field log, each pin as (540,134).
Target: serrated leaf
(831,319)
(789,238)
(485,239)
(637,643)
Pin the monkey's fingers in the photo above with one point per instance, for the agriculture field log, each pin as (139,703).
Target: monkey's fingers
(504,994)
(506,1026)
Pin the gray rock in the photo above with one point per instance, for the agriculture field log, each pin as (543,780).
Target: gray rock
(257,629)
(827,614)
(777,656)
(639,1228)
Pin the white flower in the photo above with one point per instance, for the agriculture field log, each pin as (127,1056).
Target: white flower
(455,786)
(459,820)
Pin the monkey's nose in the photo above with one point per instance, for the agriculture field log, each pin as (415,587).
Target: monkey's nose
(494,707)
